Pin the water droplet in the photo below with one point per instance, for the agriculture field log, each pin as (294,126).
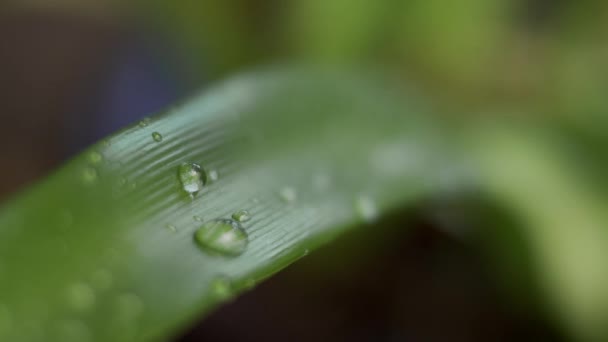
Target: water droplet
(144,122)
(102,279)
(366,208)
(171,228)
(305,253)
(6,320)
(212,175)
(81,297)
(191,177)
(225,237)
(288,194)
(89,175)
(241,216)
(95,157)
(157,137)
(197,218)
(222,288)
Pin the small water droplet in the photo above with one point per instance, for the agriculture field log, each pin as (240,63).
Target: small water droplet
(212,175)
(144,122)
(171,228)
(81,297)
(366,208)
(305,253)
(197,218)
(222,288)
(89,175)
(288,194)
(157,137)
(225,237)
(102,279)
(192,177)
(241,216)
(95,157)
(122,182)
(6,320)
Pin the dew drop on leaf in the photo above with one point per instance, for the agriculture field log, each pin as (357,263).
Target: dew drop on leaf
(225,237)
(157,137)
(191,177)
(288,194)
(95,157)
(221,288)
(212,175)
(89,175)
(366,208)
(241,216)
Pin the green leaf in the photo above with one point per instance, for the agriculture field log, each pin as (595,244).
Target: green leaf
(105,249)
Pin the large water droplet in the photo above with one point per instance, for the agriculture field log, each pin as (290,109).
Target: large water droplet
(81,297)
(192,177)
(366,208)
(157,137)
(225,237)
(241,216)
(288,194)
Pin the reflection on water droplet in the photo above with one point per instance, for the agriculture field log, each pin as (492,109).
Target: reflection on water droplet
(95,157)
(157,137)
(197,218)
(171,228)
(222,288)
(89,175)
(6,320)
(212,175)
(288,194)
(241,216)
(191,177)
(366,208)
(225,237)
(102,279)
(80,297)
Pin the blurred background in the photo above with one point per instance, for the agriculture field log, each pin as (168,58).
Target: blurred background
(73,71)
